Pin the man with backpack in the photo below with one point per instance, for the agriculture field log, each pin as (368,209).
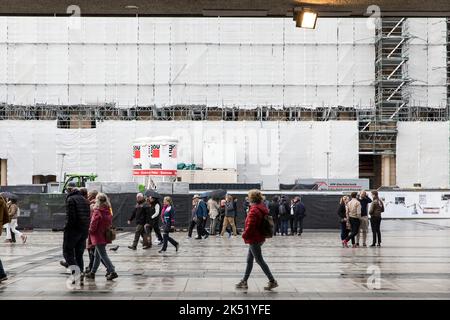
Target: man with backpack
(255,233)
(285,215)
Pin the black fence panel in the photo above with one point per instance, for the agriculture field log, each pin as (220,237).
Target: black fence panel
(47,211)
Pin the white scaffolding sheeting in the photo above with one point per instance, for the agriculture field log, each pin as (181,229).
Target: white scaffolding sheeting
(269,152)
(185,61)
(422,154)
(427,61)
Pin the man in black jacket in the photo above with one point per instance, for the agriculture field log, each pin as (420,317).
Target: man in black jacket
(299,214)
(274,211)
(77,227)
(143,216)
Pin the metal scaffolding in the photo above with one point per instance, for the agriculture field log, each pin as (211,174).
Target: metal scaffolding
(378,133)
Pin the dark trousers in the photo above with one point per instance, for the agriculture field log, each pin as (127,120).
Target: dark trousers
(155,227)
(291,223)
(157,230)
(276,226)
(221,219)
(298,224)
(375,224)
(13,236)
(140,232)
(201,231)
(191,227)
(255,253)
(344,230)
(74,245)
(2,271)
(167,238)
(354,223)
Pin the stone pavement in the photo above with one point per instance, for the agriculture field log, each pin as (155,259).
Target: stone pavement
(414,263)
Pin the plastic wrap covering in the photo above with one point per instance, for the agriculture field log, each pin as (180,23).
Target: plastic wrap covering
(263,152)
(185,61)
(423,154)
(427,61)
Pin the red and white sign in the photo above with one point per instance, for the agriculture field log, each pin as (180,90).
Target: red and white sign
(155,157)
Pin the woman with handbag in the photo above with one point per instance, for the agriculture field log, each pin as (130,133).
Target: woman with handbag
(100,232)
(376,209)
(167,217)
(343,221)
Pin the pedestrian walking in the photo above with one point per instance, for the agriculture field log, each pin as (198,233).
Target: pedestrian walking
(200,216)
(76,229)
(168,218)
(364,200)
(213,208)
(101,222)
(4,219)
(221,215)
(254,236)
(354,215)
(141,213)
(91,199)
(376,209)
(155,211)
(14,213)
(230,214)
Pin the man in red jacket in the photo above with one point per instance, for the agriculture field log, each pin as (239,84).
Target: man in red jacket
(254,237)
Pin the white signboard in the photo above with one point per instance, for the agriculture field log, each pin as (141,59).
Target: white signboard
(416,204)
(155,158)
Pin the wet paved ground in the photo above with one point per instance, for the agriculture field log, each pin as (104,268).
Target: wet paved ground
(414,263)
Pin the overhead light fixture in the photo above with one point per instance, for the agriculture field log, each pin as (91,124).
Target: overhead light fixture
(305,18)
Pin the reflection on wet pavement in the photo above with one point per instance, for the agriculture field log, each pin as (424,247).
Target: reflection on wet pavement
(413,263)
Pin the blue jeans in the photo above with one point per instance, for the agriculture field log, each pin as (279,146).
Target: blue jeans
(254,253)
(2,271)
(284,226)
(100,254)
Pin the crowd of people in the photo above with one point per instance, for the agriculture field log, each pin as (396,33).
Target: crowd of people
(89,225)
(354,212)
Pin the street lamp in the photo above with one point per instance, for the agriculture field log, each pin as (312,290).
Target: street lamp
(328,169)
(62,165)
(305,18)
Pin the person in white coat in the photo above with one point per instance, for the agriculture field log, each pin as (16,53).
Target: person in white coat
(14,212)
(213,208)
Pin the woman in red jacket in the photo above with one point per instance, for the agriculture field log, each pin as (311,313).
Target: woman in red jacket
(100,222)
(254,237)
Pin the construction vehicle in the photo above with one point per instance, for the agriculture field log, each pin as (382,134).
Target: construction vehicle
(79,179)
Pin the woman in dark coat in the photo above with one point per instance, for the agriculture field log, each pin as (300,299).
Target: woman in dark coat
(168,218)
(342,213)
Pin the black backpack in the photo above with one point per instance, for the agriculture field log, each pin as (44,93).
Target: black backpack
(282,209)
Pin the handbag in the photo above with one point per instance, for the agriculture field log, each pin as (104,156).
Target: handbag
(110,234)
